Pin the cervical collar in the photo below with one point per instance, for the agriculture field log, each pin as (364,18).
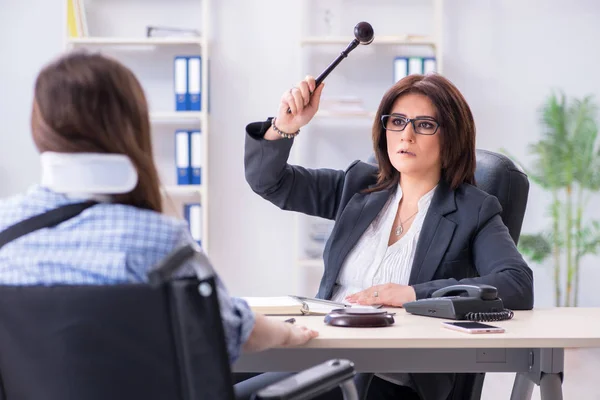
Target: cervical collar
(88,174)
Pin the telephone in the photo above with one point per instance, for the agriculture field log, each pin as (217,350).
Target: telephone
(471,302)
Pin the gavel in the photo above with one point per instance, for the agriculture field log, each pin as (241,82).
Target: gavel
(363,34)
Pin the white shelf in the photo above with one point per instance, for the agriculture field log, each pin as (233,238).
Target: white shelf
(138,52)
(345,114)
(133,41)
(387,40)
(184,190)
(167,117)
(311,263)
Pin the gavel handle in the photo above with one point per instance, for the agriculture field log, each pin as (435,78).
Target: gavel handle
(334,64)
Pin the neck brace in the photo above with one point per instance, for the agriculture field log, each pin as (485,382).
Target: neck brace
(88,175)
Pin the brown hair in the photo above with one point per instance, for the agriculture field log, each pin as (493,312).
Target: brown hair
(457,130)
(89,103)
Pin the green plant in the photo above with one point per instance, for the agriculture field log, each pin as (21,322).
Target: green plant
(567,165)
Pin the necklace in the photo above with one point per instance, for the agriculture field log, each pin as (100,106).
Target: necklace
(400,228)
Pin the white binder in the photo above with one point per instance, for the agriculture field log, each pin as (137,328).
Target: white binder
(195,83)
(429,65)
(194,218)
(180,77)
(182,157)
(415,65)
(196,157)
(400,68)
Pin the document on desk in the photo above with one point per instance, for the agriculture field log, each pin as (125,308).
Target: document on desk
(296,305)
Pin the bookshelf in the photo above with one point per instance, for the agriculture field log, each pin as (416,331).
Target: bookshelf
(132,41)
(120,29)
(341,130)
(184,190)
(176,117)
(381,40)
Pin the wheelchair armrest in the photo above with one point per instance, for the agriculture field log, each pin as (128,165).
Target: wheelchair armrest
(313,382)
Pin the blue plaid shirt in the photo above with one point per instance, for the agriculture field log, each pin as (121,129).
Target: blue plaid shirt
(105,244)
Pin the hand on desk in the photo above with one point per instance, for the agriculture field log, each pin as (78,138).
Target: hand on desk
(389,294)
(299,335)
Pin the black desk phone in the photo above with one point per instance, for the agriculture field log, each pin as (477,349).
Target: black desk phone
(462,302)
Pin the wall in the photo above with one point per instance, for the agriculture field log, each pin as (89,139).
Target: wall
(506,57)
(255,59)
(27,41)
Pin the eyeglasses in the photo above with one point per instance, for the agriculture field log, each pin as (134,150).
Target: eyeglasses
(421,125)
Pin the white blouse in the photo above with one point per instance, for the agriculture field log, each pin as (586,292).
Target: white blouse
(371,261)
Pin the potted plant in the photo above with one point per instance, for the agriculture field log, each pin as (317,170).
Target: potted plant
(567,166)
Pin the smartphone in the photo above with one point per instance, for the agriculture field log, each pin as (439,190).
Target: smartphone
(472,327)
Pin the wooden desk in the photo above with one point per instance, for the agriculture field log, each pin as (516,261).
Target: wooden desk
(532,346)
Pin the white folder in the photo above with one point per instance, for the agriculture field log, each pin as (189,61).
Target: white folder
(415,65)
(400,68)
(195,221)
(196,157)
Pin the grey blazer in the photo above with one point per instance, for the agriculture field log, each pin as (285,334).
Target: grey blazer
(463,238)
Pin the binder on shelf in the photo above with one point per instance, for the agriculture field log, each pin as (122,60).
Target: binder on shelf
(207,88)
(400,68)
(76,19)
(429,65)
(73,19)
(180,79)
(196,157)
(182,157)
(195,83)
(415,65)
(193,216)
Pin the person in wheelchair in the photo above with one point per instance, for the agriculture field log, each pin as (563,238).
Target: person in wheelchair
(90,122)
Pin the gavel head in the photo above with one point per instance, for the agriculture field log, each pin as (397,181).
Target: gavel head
(363,32)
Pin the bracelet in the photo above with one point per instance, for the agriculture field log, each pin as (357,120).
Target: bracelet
(281,133)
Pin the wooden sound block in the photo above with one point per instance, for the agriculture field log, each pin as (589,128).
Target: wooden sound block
(359,318)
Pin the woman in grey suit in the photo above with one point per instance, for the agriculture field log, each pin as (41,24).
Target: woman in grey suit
(412,225)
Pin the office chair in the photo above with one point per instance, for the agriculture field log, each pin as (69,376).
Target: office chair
(163,340)
(498,176)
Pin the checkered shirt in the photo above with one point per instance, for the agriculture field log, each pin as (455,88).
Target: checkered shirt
(104,245)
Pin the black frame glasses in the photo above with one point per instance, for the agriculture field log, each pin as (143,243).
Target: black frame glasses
(416,128)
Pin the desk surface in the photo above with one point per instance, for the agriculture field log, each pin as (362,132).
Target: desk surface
(539,328)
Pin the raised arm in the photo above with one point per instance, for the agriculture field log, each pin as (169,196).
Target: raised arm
(311,191)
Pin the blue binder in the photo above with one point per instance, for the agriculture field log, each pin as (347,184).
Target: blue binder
(180,83)
(182,157)
(196,157)
(429,65)
(415,65)
(400,68)
(208,85)
(193,216)
(195,82)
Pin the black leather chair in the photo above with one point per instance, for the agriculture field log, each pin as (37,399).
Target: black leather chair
(499,176)
(130,341)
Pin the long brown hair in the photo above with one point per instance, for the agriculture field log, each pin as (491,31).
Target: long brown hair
(457,130)
(89,103)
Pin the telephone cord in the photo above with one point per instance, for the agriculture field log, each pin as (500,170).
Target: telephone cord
(490,316)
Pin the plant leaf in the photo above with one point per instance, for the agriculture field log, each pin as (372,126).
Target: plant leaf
(584,132)
(554,150)
(589,238)
(536,247)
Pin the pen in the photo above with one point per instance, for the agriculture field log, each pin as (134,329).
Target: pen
(291,320)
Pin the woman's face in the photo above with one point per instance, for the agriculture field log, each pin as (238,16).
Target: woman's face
(412,153)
